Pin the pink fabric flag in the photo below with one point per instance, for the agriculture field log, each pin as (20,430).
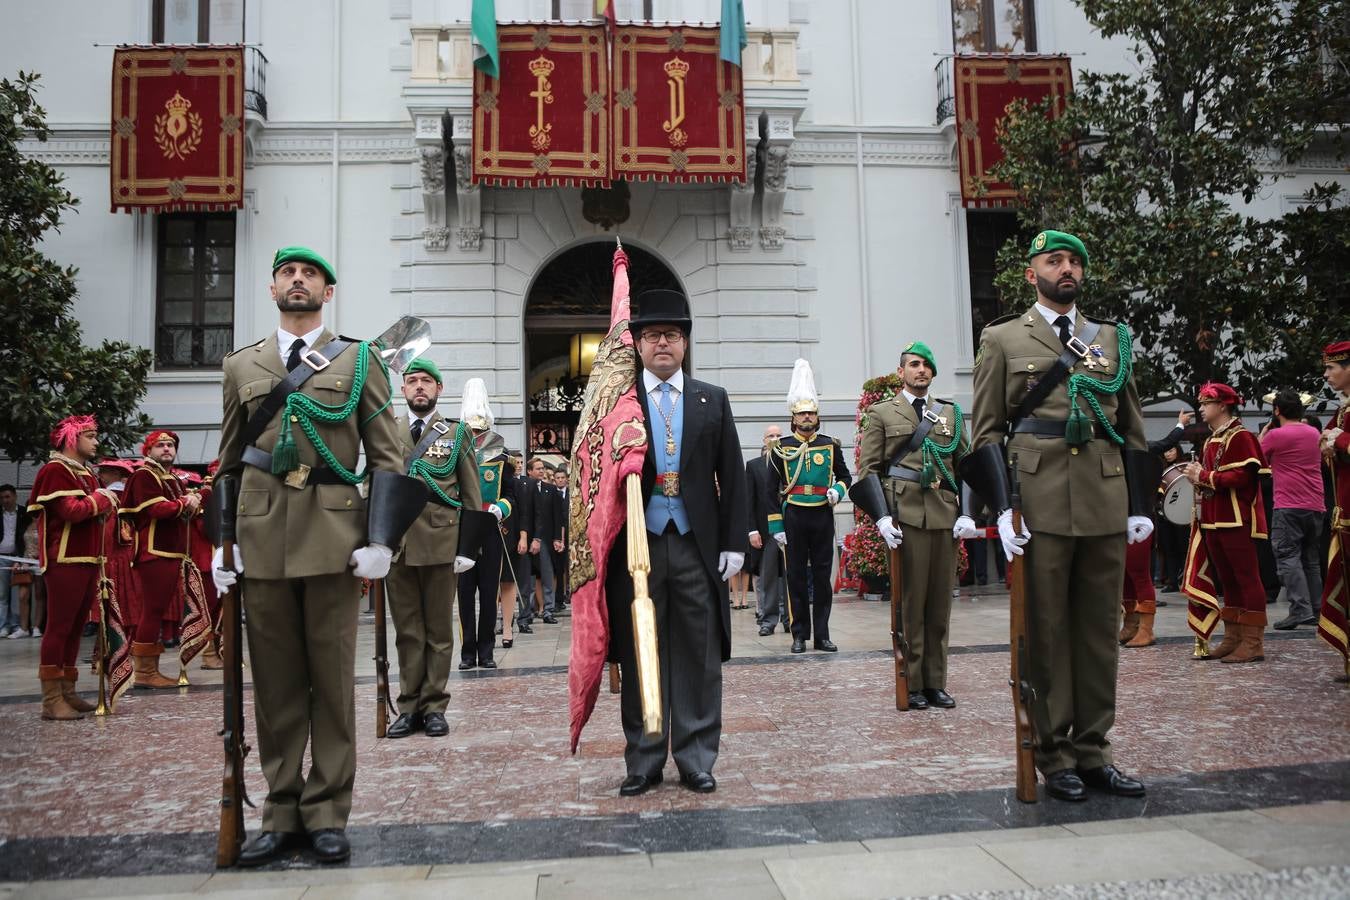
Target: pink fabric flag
(610,444)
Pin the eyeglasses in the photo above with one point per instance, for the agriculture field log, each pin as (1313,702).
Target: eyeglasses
(672,336)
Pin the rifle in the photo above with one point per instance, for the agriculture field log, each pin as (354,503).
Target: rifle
(899,643)
(1022,692)
(383,705)
(233,792)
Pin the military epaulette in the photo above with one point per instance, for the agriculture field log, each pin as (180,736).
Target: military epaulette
(943,400)
(350,340)
(245,347)
(1110,322)
(1001,319)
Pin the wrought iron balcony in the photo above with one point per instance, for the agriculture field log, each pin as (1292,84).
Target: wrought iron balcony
(946,94)
(255,84)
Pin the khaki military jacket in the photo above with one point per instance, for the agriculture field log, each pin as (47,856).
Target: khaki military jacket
(434,537)
(285,532)
(890,425)
(1071,491)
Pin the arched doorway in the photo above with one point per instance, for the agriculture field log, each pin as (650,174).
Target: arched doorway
(566,315)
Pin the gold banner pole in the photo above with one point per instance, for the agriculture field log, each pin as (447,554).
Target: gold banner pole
(644,611)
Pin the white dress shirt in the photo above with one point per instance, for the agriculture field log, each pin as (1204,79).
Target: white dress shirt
(285,339)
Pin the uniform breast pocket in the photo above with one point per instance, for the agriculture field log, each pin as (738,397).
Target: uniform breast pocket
(1112,465)
(897,436)
(441,516)
(340,498)
(253,503)
(1024,372)
(330,389)
(251,393)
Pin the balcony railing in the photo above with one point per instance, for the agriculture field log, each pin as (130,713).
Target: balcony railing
(255,82)
(946,94)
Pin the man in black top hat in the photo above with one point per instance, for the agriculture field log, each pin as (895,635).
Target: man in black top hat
(694,479)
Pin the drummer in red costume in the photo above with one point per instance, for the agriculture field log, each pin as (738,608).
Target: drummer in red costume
(68,506)
(1332,625)
(1232,517)
(161,508)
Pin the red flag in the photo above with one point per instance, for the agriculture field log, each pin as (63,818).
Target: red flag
(611,443)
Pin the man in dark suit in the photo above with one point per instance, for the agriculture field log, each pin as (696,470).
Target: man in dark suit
(547,537)
(694,479)
(560,559)
(519,530)
(766,562)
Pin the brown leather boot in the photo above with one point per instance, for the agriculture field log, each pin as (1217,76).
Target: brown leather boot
(1232,635)
(1129,627)
(1252,647)
(54,705)
(72,674)
(211,657)
(1143,637)
(145,663)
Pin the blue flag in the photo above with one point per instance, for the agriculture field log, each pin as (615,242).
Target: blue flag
(733,31)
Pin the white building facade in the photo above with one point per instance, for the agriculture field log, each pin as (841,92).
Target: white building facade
(851,241)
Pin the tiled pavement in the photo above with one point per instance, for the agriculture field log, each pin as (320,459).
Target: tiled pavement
(823,789)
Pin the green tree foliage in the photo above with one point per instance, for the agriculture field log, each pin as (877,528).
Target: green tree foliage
(46,372)
(1155,169)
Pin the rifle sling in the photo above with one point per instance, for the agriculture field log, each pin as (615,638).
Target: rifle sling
(1058,372)
(276,399)
(916,439)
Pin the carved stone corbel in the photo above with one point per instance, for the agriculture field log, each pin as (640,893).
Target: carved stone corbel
(468,196)
(740,235)
(777,156)
(435,234)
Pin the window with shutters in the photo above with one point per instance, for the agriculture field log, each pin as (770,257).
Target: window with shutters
(194,290)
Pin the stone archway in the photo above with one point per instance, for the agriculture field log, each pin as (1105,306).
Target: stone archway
(567,311)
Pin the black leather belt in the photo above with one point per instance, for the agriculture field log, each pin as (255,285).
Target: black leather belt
(261,459)
(432,498)
(903,474)
(1051,428)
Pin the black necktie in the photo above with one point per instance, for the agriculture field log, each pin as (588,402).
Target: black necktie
(294,359)
(417,432)
(1063,323)
(918,407)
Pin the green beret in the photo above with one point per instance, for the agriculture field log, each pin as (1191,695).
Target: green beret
(919,348)
(1047,241)
(422,364)
(303,254)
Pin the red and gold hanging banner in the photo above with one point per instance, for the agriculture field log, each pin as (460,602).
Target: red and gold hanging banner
(545,121)
(177,129)
(679,114)
(985,85)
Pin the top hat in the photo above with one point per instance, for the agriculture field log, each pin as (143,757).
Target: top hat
(661,308)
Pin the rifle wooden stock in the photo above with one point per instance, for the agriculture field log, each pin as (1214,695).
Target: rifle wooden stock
(899,645)
(232,793)
(1021,687)
(646,652)
(381,659)
(614,678)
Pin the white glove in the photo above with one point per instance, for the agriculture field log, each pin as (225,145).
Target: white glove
(224,578)
(781,538)
(371,561)
(1138,528)
(496,511)
(890,532)
(729,563)
(463,564)
(965,528)
(1012,541)
(833,496)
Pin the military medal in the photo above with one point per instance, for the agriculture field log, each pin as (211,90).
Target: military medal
(818,459)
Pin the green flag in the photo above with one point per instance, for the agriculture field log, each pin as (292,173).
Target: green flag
(485,36)
(733,31)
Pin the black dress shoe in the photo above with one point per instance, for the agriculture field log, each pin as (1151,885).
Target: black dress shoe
(1288,623)
(435,725)
(699,782)
(635,785)
(404,725)
(549,619)
(798,646)
(487,664)
(765,630)
(330,845)
(917,700)
(938,697)
(1311,620)
(508,643)
(1065,785)
(524,628)
(1113,781)
(267,846)
(465,664)
(827,645)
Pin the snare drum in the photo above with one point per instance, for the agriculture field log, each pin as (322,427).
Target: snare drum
(1178,495)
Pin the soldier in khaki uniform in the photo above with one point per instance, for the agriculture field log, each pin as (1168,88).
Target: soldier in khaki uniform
(301,528)
(421,583)
(1053,388)
(914,443)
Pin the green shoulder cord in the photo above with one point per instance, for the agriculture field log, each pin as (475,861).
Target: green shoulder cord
(305,411)
(933,452)
(429,472)
(1078,429)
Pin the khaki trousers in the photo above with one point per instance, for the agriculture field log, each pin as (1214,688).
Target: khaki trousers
(1073,600)
(928,560)
(420,601)
(302,647)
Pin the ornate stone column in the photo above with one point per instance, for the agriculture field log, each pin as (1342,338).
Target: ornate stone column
(740,235)
(778,147)
(468,196)
(431,157)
